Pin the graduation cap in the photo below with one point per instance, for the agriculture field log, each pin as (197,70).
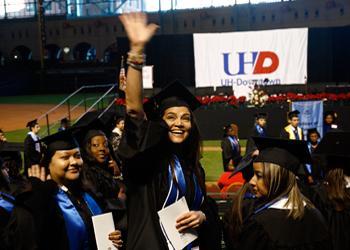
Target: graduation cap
(288,154)
(63,140)
(245,166)
(260,115)
(334,146)
(32,123)
(292,114)
(173,95)
(94,120)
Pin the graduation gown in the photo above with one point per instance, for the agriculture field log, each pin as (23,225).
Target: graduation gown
(50,229)
(145,153)
(17,230)
(248,206)
(230,152)
(31,156)
(338,221)
(250,143)
(287,133)
(100,182)
(5,212)
(270,229)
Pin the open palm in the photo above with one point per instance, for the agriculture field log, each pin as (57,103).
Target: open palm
(137,29)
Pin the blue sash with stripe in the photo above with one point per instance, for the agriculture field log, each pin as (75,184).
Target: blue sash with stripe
(178,191)
(234,143)
(260,130)
(75,226)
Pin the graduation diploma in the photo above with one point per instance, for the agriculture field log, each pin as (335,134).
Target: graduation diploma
(168,218)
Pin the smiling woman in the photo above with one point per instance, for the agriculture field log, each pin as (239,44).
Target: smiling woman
(61,204)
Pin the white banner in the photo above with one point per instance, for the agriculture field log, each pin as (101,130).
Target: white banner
(242,59)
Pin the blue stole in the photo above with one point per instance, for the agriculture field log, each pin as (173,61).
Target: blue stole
(176,192)
(296,134)
(260,130)
(8,203)
(76,229)
(234,143)
(308,166)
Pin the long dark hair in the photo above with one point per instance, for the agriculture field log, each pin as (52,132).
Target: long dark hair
(192,152)
(336,189)
(235,217)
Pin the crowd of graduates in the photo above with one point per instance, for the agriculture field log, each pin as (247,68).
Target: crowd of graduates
(296,193)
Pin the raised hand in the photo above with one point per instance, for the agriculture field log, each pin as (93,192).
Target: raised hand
(137,29)
(38,172)
(113,165)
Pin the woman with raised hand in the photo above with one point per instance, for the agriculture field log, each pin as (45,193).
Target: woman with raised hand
(61,207)
(160,151)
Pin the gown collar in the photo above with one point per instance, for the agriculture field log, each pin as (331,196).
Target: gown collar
(282,204)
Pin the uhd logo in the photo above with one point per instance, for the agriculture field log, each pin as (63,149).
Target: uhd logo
(263,62)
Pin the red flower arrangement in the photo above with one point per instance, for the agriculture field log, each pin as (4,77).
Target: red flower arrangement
(287,97)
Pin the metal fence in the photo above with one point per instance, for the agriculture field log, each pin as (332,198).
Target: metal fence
(77,104)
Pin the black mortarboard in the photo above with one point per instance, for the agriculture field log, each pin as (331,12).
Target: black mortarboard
(260,115)
(173,95)
(32,123)
(94,120)
(286,153)
(334,146)
(245,166)
(62,140)
(292,114)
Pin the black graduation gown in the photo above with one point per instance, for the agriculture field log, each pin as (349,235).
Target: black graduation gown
(31,156)
(338,221)
(4,218)
(272,230)
(248,207)
(229,154)
(250,147)
(143,151)
(20,232)
(100,182)
(50,230)
(17,230)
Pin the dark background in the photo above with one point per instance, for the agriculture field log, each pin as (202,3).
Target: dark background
(211,121)
(172,55)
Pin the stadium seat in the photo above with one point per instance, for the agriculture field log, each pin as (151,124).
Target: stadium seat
(213,190)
